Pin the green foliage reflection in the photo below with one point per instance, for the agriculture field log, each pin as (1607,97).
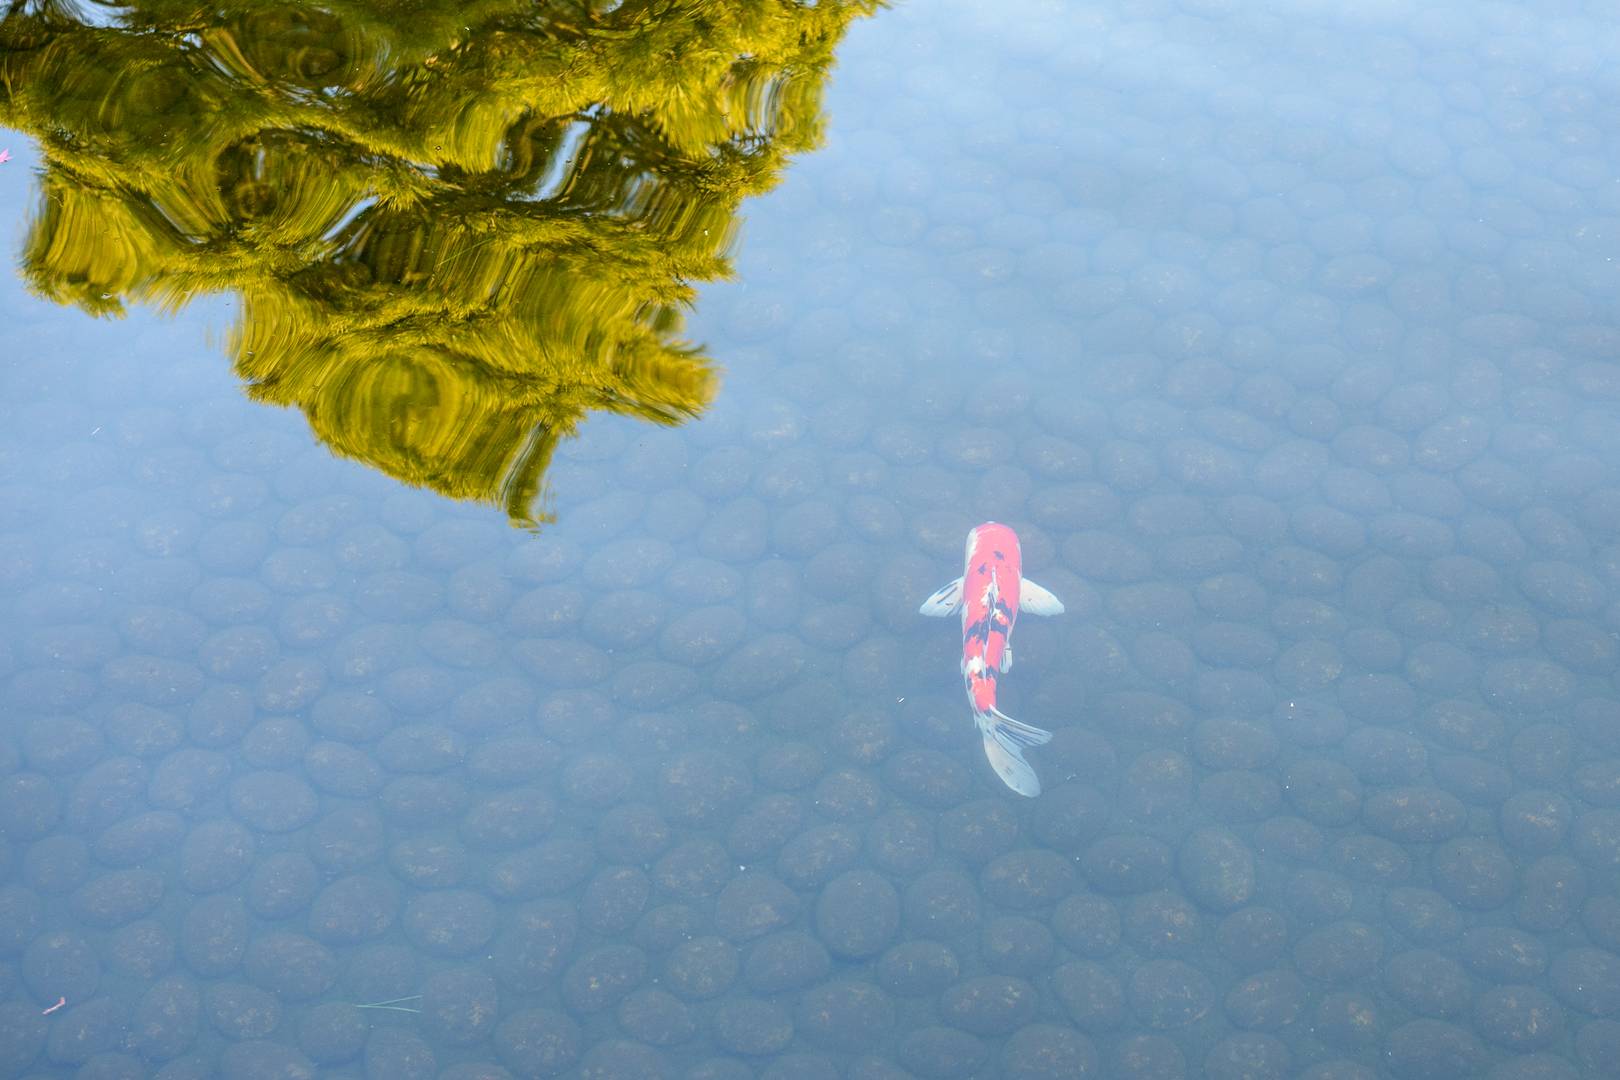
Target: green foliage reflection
(455,228)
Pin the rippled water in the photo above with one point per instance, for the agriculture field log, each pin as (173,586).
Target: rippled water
(1283,335)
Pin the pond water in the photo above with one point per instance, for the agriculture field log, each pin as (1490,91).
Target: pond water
(412,672)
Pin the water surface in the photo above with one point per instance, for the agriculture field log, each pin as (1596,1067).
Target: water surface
(1283,336)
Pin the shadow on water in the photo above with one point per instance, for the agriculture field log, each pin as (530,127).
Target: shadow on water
(455,231)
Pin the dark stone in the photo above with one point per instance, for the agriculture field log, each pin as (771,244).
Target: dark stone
(1348,1021)
(1028,879)
(1252,938)
(1089,925)
(697,868)
(1551,893)
(333,1032)
(989,1004)
(290,965)
(1521,1018)
(142,838)
(1147,1057)
(353,909)
(754,904)
(1414,814)
(415,801)
(844,1015)
(752,1027)
(1372,859)
(656,1017)
(508,819)
(1158,786)
(978,831)
(273,802)
(817,855)
(1266,1001)
(603,977)
(451,922)
(1433,1050)
(1091,995)
(117,897)
(1217,869)
(1289,838)
(857,914)
(1503,954)
(431,860)
(848,795)
(1238,796)
(349,837)
(941,904)
(1048,1052)
(701,968)
(239,1011)
(1474,873)
(1125,863)
(1162,923)
(632,832)
(1339,953)
(1013,945)
(1384,756)
(1422,915)
(1324,792)
(534,944)
(1070,816)
(940,1052)
(668,926)
(1536,821)
(703,787)
(538,1042)
(1169,993)
(1428,983)
(917,968)
(1587,979)
(142,950)
(259,1058)
(789,961)
(167,1019)
(282,884)
(614,899)
(1248,1056)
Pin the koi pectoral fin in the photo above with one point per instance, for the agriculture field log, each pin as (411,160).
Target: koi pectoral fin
(1037,600)
(944,602)
(1006,659)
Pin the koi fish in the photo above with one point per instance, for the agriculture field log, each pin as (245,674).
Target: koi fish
(990,593)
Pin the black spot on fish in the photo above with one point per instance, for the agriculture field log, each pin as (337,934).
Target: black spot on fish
(1000,556)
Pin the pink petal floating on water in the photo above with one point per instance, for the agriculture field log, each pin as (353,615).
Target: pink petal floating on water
(5,156)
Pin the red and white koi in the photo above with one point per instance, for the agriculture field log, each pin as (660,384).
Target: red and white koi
(990,593)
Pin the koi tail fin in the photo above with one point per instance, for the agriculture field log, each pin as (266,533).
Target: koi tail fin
(1004,742)
(1020,733)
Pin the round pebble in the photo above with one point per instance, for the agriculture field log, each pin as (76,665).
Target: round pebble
(1169,993)
(538,1042)
(857,914)
(844,1015)
(790,960)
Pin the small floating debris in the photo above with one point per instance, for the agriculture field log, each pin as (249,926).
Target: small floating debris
(394,1004)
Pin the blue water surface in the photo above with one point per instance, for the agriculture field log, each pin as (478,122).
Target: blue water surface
(1285,337)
